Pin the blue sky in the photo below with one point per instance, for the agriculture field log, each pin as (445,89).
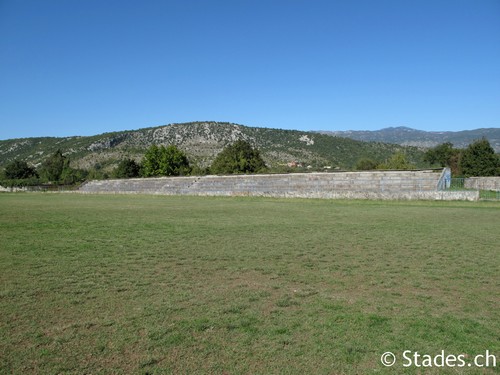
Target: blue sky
(70,67)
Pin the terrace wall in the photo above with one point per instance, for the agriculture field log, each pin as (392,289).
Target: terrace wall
(357,185)
(482,183)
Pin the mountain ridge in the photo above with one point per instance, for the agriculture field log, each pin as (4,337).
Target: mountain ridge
(202,141)
(407,136)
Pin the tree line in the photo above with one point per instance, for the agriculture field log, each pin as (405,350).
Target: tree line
(478,159)
(55,169)
(240,157)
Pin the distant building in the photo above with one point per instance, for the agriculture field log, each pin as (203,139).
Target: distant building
(295,164)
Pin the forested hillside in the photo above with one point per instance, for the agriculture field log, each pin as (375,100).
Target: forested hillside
(202,141)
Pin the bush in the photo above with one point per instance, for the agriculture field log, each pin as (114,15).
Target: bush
(366,164)
(23,182)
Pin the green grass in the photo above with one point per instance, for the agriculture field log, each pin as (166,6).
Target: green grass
(191,285)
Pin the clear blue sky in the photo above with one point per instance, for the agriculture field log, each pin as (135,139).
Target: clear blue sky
(81,67)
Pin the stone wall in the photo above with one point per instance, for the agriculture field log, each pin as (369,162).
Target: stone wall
(349,185)
(12,189)
(482,183)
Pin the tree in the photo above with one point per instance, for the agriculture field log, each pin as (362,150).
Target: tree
(97,173)
(174,162)
(440,154)
(151,162)
(52,168)
(71,176)
(56,169)
(18,170)
(444,155)
(127,168)
(165,161)
(397,161)
(479,159)
(240,157)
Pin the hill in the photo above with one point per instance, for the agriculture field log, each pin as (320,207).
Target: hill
(419,138)
(202,141)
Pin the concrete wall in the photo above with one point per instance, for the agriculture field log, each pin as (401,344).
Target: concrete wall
(351,185)
(482,183)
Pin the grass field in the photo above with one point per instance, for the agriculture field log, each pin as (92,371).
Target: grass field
(191,285)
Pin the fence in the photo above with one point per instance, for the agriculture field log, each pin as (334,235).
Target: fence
(465,184)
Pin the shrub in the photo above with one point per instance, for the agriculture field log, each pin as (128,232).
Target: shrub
(366,164)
